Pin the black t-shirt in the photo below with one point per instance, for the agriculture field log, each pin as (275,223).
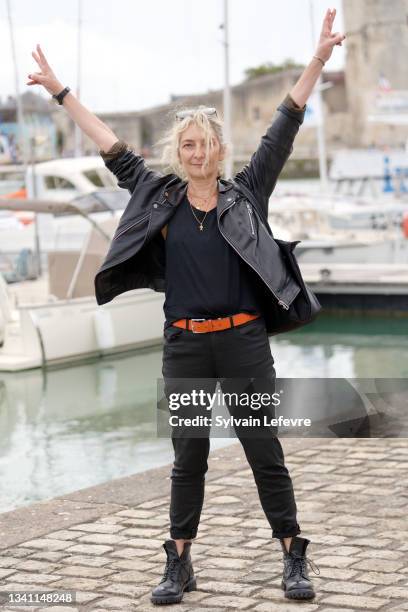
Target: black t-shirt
(205,277)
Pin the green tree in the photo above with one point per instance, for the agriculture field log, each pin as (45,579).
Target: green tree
(270,68)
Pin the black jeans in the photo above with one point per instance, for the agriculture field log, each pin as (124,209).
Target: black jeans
(242,351)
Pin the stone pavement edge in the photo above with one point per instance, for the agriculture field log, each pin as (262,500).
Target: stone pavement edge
(105,542)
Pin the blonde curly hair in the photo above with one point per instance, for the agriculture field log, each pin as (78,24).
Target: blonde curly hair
(170,142)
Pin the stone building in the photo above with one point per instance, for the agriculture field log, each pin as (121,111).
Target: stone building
(253,105)
(376,48)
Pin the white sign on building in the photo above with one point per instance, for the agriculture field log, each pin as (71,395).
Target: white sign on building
(390,107)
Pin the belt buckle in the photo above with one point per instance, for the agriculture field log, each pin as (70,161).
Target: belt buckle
(192,326)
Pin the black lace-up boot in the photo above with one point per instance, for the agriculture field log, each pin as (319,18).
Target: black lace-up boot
(295,580)
(178,575)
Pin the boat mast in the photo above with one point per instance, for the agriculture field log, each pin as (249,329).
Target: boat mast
(21,137)
(227,96)
(78,133)
(22,141)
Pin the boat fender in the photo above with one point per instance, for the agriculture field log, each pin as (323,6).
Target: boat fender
(405,224)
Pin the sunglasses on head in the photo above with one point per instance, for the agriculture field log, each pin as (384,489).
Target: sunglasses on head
(210,112)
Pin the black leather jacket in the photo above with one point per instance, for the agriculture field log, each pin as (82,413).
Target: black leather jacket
(136,256)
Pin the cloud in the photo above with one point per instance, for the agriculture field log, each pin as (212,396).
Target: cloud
(131,59)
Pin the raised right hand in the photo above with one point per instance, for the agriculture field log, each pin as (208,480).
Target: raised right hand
(46,77)
(327,39)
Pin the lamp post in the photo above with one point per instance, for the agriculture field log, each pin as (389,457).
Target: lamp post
(227,96)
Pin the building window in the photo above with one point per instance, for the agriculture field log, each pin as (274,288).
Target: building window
(100,177)
(58,182)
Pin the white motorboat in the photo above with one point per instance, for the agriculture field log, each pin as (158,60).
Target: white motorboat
(59,180)
(64,179)
(56,319)
(338,231)
(342,211)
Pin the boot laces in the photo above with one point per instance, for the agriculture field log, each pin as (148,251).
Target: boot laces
(171,570)
(299,565)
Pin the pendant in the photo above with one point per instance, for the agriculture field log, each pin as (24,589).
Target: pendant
(201,227)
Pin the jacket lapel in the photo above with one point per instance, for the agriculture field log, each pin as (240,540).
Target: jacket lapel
(226,196)
(175,193)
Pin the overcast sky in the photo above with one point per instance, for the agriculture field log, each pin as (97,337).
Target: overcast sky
(136,53)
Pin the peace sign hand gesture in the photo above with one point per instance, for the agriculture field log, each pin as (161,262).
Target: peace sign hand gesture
(46,77)
(327,40)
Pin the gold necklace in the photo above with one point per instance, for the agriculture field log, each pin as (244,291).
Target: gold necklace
(200,223)
(206,200)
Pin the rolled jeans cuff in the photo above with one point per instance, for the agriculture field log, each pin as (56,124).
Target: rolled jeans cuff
(177,534)
(289,533)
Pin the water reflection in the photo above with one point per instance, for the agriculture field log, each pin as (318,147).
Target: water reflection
(66,429)
(349,346)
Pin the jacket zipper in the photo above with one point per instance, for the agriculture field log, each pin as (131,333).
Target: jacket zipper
(250,218)
(124,230)
(280,302)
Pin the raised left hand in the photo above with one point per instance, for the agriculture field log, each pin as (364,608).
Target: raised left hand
(327,39)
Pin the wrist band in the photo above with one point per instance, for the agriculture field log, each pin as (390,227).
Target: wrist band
(59,97)
(320,60)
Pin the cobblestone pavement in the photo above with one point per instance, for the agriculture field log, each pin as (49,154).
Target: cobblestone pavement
(352,502)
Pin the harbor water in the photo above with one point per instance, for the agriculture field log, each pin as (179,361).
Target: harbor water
(73,427)
(70,428)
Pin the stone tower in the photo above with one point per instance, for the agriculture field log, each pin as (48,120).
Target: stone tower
(376,44)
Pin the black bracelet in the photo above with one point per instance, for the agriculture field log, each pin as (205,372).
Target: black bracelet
(59,97)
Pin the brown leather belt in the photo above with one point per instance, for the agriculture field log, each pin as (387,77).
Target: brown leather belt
(203,326)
